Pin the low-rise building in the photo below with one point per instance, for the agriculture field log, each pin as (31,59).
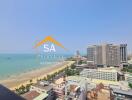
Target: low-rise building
(30,95)
(34,95)
(99,93)
(59,88)
(77,87)
(101,73)
(43,88)
(128,78)
(130,61)
(120,94)
(43,96)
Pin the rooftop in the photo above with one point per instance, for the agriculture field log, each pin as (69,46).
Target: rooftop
(58,86)
(105,82)
(59,81)
(119,91)
(130,61)
(77,79)
(96,81)
(78,82)
(110,69)
(102,94)
(41,96)
(30,95)
(47,88)
(128,74)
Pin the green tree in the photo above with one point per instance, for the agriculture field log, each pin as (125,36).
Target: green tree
(130,85)
(31,81)
(73,66)
(45,78)
(48,77)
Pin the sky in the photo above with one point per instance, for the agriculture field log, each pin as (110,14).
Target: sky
(75,23)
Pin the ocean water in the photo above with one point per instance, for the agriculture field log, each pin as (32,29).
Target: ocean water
(13,64)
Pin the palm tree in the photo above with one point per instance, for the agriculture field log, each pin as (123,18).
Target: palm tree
(22,89)
(45,78)
(27,87)
(30,81)
(48,77)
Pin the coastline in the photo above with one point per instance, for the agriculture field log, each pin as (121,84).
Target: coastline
(24,79)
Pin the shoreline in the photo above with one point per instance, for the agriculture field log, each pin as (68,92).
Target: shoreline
(27,71)
(24,78)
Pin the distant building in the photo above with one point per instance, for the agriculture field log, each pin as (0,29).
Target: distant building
(107,54)
(91,53)
(102,73)
(78,53)
(123,53)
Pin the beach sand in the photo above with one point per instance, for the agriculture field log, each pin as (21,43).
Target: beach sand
(24,79)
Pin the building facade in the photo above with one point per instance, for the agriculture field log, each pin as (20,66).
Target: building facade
(59,91)
(107,54)
(43,88)
(123,53)
(128,78)
(76,88)
(91,53)
(103,74)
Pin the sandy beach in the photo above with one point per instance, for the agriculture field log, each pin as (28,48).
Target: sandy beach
(23,79)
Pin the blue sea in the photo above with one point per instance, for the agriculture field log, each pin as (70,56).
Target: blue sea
(13,64)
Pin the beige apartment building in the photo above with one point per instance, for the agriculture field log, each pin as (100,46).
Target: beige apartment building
(107,54)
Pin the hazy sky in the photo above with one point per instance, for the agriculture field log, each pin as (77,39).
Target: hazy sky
(74,23)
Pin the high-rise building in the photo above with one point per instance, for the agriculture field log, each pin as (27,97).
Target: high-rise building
(77,53)
(111,55)
(123,52)
(107,54)
(91,53)
(98,55)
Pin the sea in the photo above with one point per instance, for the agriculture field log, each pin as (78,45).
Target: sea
(15,64)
